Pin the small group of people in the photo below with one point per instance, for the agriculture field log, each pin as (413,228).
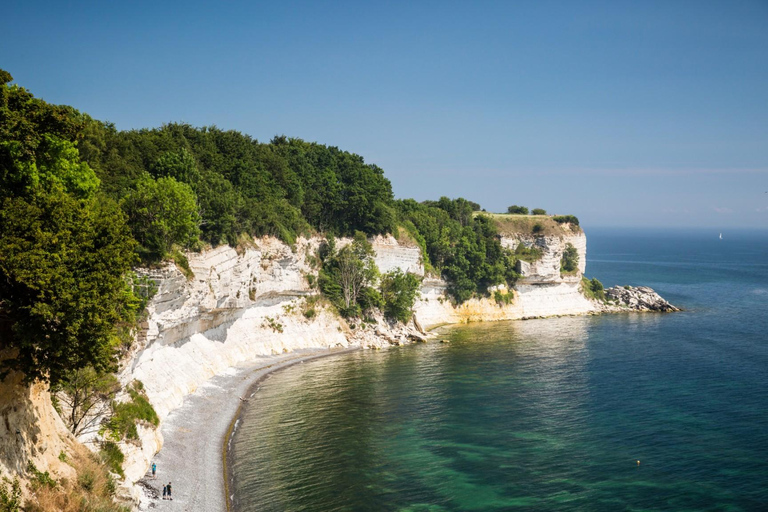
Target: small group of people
(167,492)
(166,488)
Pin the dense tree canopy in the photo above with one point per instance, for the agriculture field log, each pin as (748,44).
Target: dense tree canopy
(463,247)
(64,248)
(81,202)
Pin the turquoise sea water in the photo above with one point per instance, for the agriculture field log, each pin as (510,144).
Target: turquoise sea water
(542,414)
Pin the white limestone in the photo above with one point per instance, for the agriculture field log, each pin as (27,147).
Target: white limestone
(241,306)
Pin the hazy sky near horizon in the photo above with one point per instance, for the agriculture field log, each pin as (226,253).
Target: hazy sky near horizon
(649,113)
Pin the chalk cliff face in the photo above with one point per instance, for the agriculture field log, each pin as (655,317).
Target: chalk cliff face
(30,430)
(540,292)
(246,304)
(546,270)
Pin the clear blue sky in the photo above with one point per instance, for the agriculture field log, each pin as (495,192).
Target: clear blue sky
(623,113)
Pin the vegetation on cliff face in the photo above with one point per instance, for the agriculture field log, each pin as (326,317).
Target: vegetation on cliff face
(569,263)
(463,247)
(92,490)
(351,281)
(592,289)
(81,203)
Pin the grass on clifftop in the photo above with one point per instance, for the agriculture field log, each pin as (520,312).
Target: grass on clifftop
(544,225)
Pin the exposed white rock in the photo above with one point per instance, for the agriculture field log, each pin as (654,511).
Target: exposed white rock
(391,255)
(640,298)
(547,268)
(31,432)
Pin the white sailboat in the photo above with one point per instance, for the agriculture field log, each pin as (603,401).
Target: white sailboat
(721,236)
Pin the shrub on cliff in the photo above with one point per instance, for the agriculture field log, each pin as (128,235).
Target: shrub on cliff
(569,263)
(538,211)
(10,495)
(592,289)
(566,219)
(125,415)
(517,210)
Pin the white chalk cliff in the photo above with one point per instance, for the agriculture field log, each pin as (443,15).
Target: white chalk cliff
(256,301)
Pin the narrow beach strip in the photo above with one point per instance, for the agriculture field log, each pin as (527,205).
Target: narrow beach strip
(196,436)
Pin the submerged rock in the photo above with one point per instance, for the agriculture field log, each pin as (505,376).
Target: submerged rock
(639,298)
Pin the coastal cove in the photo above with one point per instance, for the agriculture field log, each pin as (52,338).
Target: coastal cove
(538,415)
(243,310)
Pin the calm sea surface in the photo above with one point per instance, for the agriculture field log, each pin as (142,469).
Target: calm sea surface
(541,414)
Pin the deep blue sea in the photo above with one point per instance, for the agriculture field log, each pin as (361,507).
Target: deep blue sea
(542,414)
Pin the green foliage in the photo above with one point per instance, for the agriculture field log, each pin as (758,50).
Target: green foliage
(62,262)
(592,289)
(347,275)
(566,219)
(272,323)
(10,498)
(529,254)
(125,415)
(502,298)
(182,263)
(37,146)
(283,188)
(179,165)
(111,455)
(569,263)
(398,292)
(463,247)
(537,228)
(538,211)
(40,479)
(162,213)
(517,210)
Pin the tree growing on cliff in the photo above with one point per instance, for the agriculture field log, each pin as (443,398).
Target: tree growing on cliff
(83,398)
(517,210)
(347,275)
(538,211)
(162,213)
(62,263)
(398,291)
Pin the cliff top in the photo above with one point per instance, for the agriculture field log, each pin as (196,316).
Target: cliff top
(545,225)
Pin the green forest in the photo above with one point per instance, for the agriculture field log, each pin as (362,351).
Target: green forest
(82,204)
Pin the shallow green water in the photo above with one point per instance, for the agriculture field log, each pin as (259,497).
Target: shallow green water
(536,415)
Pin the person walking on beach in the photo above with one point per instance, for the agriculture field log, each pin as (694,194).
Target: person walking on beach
(165,491)
(154,470)
(169,491)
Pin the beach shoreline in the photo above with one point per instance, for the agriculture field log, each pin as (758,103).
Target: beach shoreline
(197,434)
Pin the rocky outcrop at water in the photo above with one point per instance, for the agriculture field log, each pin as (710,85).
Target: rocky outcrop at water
(638,298)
